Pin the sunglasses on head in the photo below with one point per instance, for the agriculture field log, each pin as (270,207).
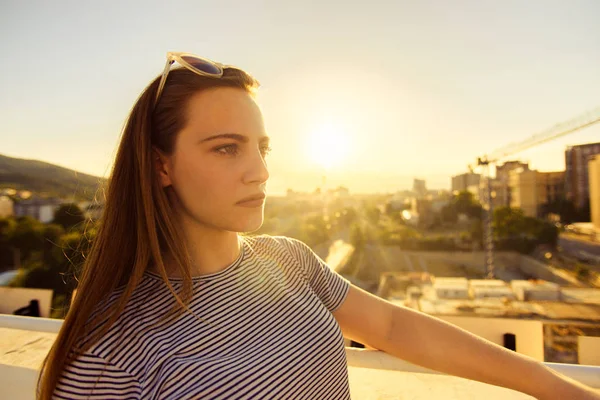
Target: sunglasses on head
(199,65)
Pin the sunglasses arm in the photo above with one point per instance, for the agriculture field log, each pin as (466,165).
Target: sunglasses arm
(163,79)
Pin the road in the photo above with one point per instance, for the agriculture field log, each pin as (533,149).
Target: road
(580,249)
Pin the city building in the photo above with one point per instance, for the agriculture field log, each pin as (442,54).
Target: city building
(8,192)
(501,185)
(536,290)
(451,288)
(423,211)
(41,209)
(490,289)
(6,207)
(462,182)
(522,183)
(594,174)
(531,189)
(551,186)
(420,187)
(525,299)
(502,171)
(577,185)
(499,192)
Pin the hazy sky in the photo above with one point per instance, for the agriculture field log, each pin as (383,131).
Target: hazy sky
(412,88)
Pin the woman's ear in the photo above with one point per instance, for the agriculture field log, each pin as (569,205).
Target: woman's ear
(162,167)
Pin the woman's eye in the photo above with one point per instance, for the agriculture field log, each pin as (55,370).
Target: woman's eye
(230,149)
(265,150)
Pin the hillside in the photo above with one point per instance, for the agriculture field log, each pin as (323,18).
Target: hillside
(47,179)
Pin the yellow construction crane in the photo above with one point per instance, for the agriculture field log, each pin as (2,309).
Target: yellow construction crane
(562,129)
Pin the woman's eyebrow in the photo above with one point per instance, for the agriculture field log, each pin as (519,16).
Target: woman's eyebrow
(234,136)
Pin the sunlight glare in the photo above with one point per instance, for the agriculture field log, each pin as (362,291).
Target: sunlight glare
(328,145)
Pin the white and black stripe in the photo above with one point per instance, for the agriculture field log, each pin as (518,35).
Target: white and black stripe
(269,334)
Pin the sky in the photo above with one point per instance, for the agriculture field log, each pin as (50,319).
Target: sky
(403,89)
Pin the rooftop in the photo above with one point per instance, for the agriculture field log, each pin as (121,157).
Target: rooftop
(537,299)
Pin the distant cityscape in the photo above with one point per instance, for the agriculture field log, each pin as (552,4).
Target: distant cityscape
(420,248)
(538,194)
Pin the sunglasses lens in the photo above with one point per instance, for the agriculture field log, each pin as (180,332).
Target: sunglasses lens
(202,65)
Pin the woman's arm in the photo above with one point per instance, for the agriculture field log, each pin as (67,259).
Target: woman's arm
(435,344)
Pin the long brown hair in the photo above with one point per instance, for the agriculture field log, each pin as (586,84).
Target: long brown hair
(137,227)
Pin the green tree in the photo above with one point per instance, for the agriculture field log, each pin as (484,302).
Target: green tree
(462,203)
(373,214)
(508,222)
(449,214)
(52,234)
(68,216)
(7,229)
(476,233)
(28,237)
(465,203)
(72,250)
(357,236)
(57,271)
(313,230)
(518,232)
(349,215)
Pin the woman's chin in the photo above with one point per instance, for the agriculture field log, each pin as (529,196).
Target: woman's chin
(250,225)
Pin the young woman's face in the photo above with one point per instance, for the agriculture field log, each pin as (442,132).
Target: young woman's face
(219,160)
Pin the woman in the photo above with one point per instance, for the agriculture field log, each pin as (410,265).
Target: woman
(173,303)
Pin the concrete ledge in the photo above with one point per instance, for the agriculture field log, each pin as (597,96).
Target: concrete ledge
(374,359)
(373,374)
(36,324)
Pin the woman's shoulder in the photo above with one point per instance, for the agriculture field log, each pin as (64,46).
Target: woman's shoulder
(276,244)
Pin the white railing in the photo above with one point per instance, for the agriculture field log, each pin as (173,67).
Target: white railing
(34,324)
(374,359)
(17,378)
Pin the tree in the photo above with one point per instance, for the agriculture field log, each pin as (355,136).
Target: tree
(449,214)
(52,235)
(476,233)
(313,230)
(567,210)
(464,203)
(56,271)
(373,214)
(508,222)
(515,231)
(73,249)
(357,236)
(7,229)
(68,216)
(28,237)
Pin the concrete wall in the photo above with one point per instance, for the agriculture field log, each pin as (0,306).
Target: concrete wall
(473,260)
(15,298)
(504,260)
(589,350)
(529,334)
(541,271)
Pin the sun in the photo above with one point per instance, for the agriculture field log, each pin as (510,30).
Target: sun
(328,145)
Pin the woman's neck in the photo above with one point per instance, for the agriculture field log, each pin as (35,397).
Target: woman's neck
(210,251)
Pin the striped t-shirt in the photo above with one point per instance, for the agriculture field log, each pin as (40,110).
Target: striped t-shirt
(269,334)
